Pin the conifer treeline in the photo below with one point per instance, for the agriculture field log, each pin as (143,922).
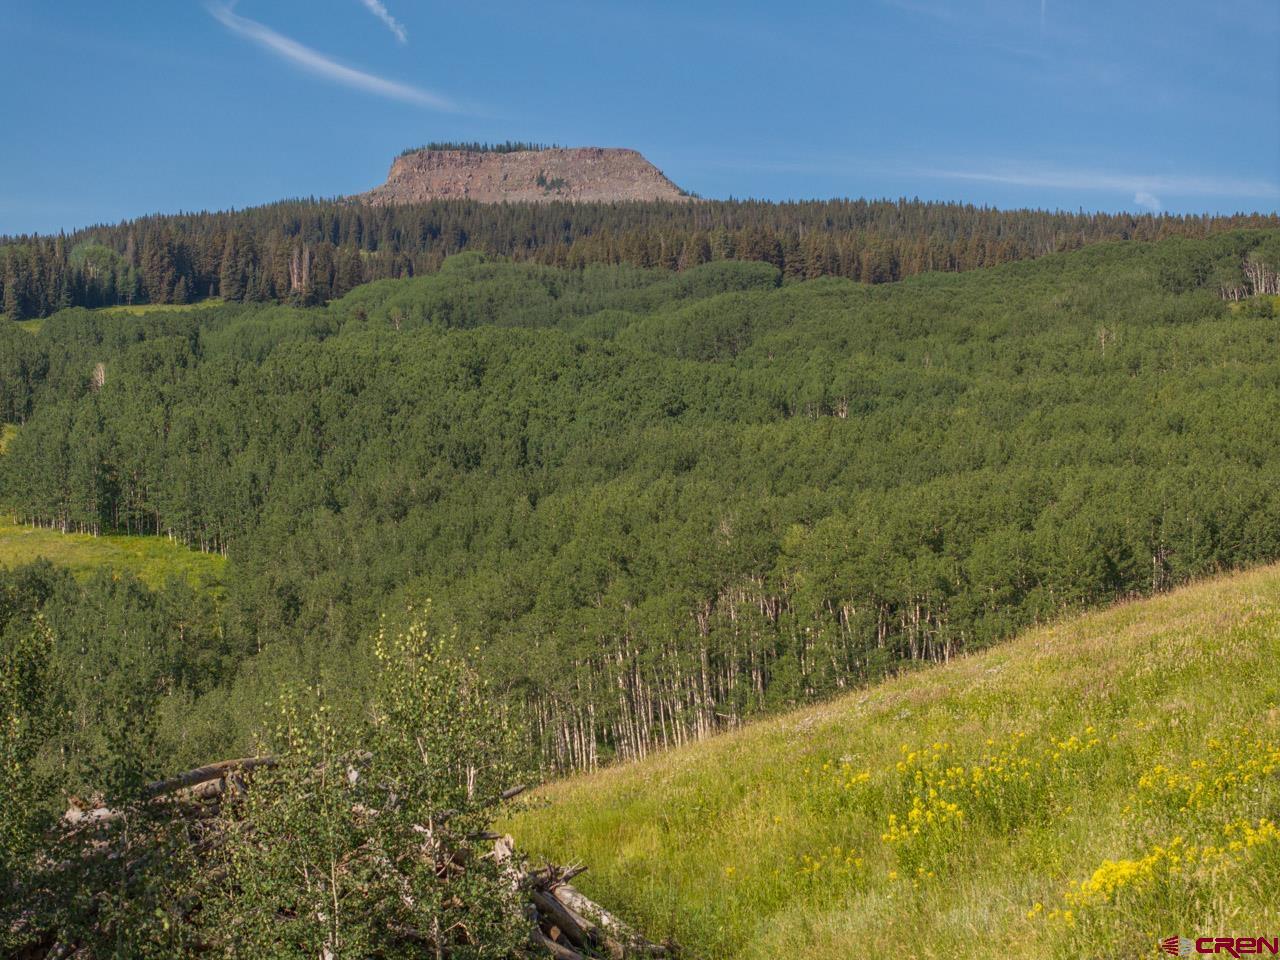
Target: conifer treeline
(311,251)
(476,146)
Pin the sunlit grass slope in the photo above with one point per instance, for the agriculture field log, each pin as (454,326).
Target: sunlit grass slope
(152,559)
(1081,791)
(142,309)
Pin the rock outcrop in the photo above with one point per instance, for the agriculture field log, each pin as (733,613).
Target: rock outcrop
(581,174)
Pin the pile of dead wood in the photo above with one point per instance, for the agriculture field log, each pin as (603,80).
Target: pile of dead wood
(571,927)
(567,925)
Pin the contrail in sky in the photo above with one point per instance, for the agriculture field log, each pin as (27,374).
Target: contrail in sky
(313,61)
(379,10)
(1145,185)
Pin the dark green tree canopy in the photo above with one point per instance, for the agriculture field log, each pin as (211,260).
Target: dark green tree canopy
(654,500)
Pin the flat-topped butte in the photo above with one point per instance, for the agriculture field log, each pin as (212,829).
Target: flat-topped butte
(577,174)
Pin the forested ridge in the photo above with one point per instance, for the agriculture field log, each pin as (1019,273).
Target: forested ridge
(312,251)
(647,504)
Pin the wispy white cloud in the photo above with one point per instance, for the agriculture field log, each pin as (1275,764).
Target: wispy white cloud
(1149,200)
(379,10)
(315,62)
(1148,185)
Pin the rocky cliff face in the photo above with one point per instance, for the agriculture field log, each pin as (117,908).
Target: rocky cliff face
(583,174)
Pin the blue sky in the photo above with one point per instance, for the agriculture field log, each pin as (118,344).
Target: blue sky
(116,110)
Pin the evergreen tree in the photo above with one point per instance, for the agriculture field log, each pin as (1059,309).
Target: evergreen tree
(231,276)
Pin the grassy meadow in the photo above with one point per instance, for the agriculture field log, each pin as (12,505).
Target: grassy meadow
(152,559)
(1086,789)
(143,309)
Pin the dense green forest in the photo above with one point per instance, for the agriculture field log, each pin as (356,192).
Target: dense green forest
(644,504)
(309,252)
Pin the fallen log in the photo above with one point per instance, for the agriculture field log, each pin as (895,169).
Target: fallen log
(580,932)
(566,924)
(550,875)
(211,771)
(559,951)
(79,817)
(626,937)
(201,784)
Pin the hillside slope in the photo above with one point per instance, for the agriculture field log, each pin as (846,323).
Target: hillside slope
(706,494)
(1086,789)
(580,174)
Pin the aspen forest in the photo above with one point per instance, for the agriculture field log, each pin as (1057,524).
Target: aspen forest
(643,504)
